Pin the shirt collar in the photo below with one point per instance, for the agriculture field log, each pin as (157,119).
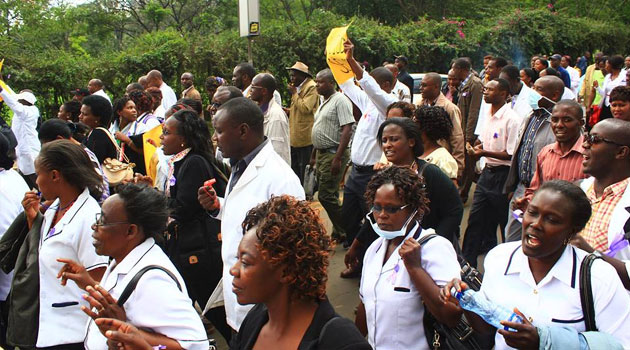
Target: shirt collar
(577,147)
(251,155)
(501,112)
(563,270)
(128,262)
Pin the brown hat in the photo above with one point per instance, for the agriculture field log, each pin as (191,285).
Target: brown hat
(300,67)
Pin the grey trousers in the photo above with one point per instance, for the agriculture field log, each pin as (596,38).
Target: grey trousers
(514,228)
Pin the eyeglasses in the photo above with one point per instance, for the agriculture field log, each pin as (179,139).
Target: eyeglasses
(255,87)
(595,139)
(99,221)
(389,210)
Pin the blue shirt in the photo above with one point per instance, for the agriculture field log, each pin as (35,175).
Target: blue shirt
(566,78)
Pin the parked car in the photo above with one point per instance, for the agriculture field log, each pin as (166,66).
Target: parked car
(417,78)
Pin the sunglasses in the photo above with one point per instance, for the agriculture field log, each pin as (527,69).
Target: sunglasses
(595,139)
(388,209)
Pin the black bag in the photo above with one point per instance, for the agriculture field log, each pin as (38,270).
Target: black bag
(440,336)
(586,293)
(131,286)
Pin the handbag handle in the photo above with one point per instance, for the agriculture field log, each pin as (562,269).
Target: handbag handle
(119,150)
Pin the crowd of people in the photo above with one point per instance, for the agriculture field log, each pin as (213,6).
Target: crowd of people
(114,238)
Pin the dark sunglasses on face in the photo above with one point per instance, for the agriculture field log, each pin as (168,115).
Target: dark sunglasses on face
(595,139)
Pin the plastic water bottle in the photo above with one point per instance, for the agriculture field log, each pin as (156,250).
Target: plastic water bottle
(492,313)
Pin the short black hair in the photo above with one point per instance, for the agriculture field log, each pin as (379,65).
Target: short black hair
(268,82)
(552,71)
(51,129)
(503,85)
(134,86)
(575,196)
(462,63)
(382,74)
(435,122)
(327,74)
(543,61)
(410,128)
(195,105)
(512,72)
(145,207)
(616,61)
(500,62)
(74,108)
(241,110)
(7,155)
(100,107)
(247,68)
(234,91)
(620,93)
(531,73)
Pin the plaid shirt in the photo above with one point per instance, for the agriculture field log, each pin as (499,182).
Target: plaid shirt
(596,230)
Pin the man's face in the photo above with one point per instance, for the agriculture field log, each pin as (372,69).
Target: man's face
(459,73)
(92,87)
(538,66)
(429,89)
(186,80)
(564,62)
(533,62)
(486,60)
(220,97)
(323,85)
(544,88)
(296,77)
(257,91)
(554,63)
(227,135)
(627,62)
(628,77)
(492,94)
(452,79)
(600,155)
(237,79)
(565,124)
(492,70)
(400,64)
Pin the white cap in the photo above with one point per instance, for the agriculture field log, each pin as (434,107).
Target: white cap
(26,96)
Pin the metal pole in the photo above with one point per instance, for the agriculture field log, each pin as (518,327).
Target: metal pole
(249,50)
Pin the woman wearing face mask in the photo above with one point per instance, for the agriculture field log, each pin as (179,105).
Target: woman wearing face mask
(539,275)
(282,268)
(402,144)
(400,277)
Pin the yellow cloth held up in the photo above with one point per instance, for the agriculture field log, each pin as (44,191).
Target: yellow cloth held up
(335,55)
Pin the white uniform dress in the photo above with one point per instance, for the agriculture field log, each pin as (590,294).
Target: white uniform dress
(555,300)
(393,306)
(61,320)
(156,303)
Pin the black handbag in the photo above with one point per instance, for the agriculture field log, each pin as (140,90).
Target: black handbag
(586,293)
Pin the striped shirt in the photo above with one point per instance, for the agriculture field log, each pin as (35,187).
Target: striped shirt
(525,154)
(596,230)
(552,164)
(331,115)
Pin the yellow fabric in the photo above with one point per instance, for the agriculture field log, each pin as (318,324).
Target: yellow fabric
(302,114)
(336,57)
(150,140)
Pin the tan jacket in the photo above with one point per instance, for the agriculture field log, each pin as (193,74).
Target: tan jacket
(191,93)
(469,104)
(587,84)
(455,144)
(301,117)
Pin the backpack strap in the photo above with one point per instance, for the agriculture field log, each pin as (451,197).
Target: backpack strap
(131,286)
(586,292)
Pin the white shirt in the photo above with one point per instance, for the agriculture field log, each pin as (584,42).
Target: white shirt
(156,303)
(609,85)
(142,124)
(519,103)
(276,94)
(12,190)
(575,79)
(61,320)
(266,175)
(24,125)
(568,94)
(401,91)
(373,102)
(500,133)
(394,318)
(102,93)
(276,128)
(159,112)
(168,96)
(555,300)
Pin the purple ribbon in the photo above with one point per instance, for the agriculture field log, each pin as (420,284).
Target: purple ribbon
(617,245)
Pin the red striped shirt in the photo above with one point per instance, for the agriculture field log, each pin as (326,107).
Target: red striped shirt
(551,164)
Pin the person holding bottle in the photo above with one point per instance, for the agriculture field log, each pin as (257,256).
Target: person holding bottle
(538,278)
(400,278)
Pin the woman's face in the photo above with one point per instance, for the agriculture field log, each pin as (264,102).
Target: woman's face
(63,115)
(129,112)
(110,234)
(88,118)
(172,142)
(525,78)
(387,200)
(397,147)
(47,180)
(255,280)
(620,109)
(547,224)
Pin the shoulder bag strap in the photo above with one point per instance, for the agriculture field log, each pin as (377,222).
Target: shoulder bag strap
(131,286)
(586,292)
(111,138)
(426,238)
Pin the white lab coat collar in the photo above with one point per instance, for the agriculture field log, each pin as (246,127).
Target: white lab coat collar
(563,270)
(251,171)
(128,263)
(395,257)
(66,218)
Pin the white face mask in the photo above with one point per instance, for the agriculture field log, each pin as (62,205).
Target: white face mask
(389,234)
(535,97)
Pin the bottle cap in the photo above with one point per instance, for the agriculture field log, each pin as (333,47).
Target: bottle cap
(456,294)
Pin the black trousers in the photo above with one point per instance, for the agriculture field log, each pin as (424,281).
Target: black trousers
(300,157)
(487,212)
(354,208)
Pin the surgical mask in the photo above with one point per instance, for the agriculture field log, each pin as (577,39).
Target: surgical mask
(535,97)
(389,234)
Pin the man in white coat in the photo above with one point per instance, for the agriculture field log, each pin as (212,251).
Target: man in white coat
(154,79)
(258,173)
(24,126)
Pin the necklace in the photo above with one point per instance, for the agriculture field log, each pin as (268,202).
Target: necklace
(63,210)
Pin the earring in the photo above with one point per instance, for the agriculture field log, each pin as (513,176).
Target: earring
(182,145)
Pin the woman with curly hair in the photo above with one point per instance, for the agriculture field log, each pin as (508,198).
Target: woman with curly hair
(400,109)
(401,277)
(435,125)
(282,267)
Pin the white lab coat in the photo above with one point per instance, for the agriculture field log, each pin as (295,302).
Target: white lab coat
(393,306)
(617,220)
(103,94)
(24,126)
(156,303)
(168,96)
(267,174)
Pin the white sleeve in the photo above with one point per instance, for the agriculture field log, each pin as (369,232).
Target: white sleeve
(612,302)
(355,94)
(17,108)
(512,130)
(380,98)
(439,260)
